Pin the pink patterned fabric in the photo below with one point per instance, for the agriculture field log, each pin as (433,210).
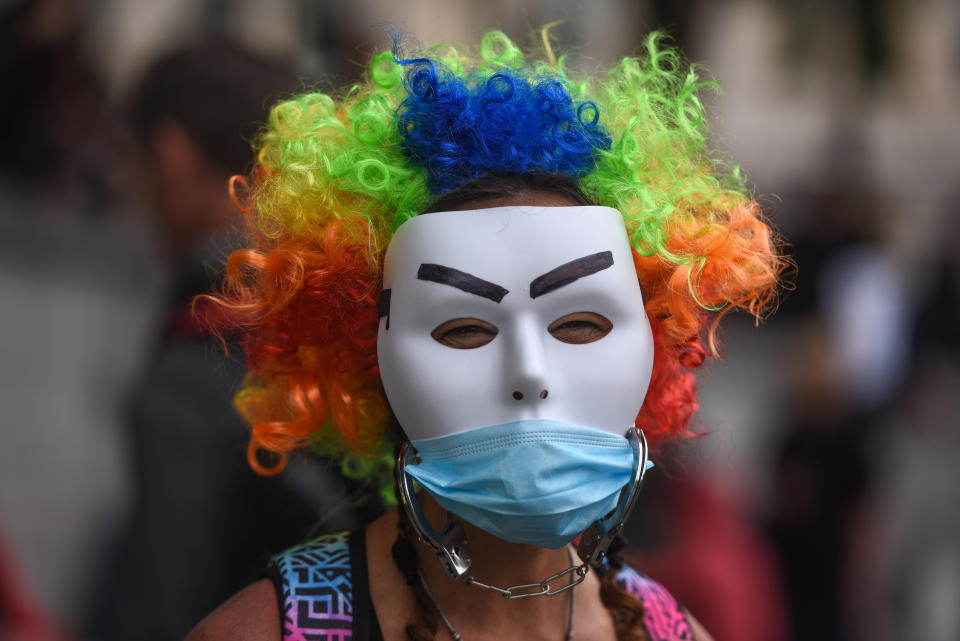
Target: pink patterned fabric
(663,617)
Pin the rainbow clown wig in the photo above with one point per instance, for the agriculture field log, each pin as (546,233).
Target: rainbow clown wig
(337,174)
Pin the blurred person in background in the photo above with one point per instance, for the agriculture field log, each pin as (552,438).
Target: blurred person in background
(921,563)
(203,523)
(74,283)
(848,370)
(52,104)
(822,477)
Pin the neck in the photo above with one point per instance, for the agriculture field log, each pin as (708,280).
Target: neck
(475,613)
(503,564)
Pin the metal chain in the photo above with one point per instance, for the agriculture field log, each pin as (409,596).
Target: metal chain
(580,570)
(541,589)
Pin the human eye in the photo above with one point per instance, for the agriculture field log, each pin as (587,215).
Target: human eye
(464,333)
(580,327)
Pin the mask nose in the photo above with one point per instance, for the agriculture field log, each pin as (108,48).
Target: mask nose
(527,364)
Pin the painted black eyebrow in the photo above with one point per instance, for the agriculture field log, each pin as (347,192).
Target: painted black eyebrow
(461,280)
(569,272)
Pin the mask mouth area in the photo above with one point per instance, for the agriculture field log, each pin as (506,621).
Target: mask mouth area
(535,482)
(593,502)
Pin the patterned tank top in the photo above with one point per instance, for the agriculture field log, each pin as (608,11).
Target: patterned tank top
(323,594)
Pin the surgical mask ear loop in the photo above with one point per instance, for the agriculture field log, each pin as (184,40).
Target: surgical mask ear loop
(453,549)
(451,545)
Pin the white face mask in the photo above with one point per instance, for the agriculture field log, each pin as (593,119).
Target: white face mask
(532,278)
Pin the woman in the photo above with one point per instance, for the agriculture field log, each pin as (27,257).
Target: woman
(552,302)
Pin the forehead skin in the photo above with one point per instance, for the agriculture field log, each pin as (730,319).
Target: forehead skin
(529,199)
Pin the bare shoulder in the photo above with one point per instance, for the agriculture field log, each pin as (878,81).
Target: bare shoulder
(249,615)
(699,632)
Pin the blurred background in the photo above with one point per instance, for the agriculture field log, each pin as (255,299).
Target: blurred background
(823,504)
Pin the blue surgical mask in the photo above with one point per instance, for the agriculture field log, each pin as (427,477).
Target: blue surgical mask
(535,481)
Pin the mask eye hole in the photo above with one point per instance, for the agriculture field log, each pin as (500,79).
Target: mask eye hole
(580,327)
(464,333)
